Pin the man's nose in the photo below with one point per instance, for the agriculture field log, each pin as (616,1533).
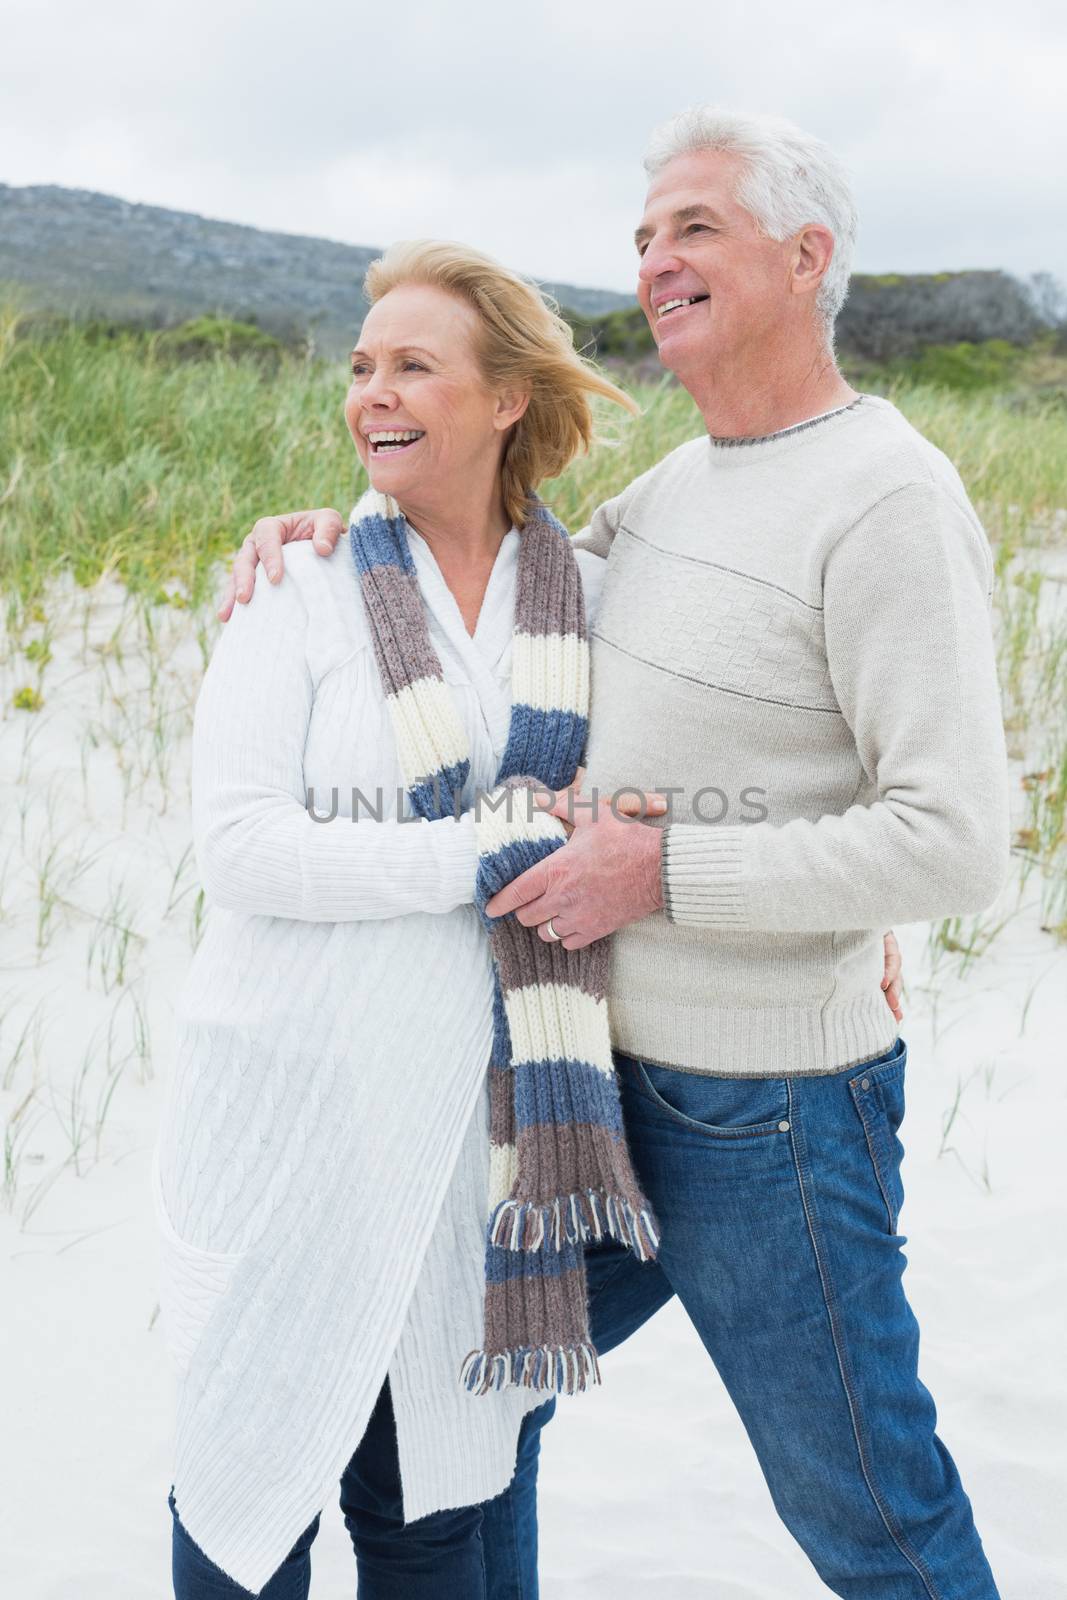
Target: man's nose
(656,260)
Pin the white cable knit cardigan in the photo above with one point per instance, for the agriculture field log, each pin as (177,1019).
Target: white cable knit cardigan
(320,1176)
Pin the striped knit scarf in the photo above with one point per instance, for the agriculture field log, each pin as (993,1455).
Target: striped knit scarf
(560,1172)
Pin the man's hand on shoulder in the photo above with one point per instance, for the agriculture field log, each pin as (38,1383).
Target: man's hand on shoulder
(323,527)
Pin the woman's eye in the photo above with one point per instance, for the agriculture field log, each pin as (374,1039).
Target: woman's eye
(413,366)
(359,369)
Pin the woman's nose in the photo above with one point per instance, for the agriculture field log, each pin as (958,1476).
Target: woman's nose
(377,393)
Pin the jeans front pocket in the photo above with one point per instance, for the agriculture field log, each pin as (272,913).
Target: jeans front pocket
(878,1095)
(723,1108)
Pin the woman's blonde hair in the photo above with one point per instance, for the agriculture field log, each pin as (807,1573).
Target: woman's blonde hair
(524,344)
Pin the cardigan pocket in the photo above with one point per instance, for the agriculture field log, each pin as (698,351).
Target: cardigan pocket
(191,1280)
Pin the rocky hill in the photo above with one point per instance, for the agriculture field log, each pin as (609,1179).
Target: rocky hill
(75,250)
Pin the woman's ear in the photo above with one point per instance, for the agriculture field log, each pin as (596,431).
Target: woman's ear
(510,406)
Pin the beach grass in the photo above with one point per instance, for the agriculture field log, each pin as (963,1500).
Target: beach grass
(118,457)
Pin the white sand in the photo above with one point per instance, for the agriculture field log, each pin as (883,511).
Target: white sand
(649,1487)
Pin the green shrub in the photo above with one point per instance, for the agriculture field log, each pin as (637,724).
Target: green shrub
(617,336)
(217,336)
(991,364)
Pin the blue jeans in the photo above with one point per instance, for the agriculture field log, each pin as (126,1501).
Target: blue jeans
(436,1556)
(778,1201)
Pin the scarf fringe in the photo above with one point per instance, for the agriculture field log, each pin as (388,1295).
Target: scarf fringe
(574,1219)
(553,1369)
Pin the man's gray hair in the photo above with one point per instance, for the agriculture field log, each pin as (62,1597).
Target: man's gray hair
(790,178)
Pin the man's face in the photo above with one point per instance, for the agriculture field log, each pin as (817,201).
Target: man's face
(697,244)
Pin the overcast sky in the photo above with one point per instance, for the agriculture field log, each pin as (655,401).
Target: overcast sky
(520,127)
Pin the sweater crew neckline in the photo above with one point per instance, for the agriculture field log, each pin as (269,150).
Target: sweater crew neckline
(759,447)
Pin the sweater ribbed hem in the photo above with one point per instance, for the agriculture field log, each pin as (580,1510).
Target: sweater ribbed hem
(752,1042)
(477,1461)
(701,872)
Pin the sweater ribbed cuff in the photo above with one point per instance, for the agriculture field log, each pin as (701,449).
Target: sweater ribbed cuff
(702,875)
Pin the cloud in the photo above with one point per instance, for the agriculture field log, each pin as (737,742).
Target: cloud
(522,130)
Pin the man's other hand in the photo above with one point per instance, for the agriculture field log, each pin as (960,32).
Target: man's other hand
(892,975)
(323,527)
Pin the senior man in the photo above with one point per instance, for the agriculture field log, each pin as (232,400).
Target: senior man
(794,642)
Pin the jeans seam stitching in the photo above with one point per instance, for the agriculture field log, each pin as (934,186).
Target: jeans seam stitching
(876,1163)
(481,1553)
(516,1565)
(902,1543)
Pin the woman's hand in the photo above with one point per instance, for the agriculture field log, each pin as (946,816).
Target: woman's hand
(891,975)
(264,543)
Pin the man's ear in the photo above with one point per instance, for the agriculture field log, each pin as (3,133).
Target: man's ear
(812,255)
(510,406)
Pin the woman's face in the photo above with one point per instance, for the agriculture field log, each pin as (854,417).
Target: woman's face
(414,373)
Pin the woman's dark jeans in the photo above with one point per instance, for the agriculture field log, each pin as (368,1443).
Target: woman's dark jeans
(436,1557)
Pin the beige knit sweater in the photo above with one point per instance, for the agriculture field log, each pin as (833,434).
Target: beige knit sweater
(800,628)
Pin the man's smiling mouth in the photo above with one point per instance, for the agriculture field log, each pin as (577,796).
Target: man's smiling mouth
(679,304)
(387,441)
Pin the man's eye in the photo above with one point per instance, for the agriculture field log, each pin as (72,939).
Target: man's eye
(359,369)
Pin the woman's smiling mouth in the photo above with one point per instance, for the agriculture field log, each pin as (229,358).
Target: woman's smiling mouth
(388,441)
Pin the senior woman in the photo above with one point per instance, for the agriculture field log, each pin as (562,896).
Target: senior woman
(322,1172)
